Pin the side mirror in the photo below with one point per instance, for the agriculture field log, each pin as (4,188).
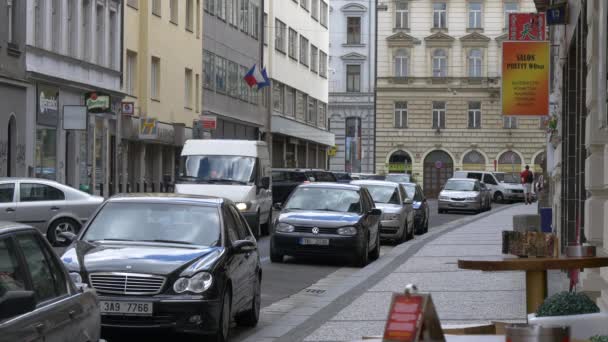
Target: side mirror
(375,212)
(408,201)
(243,246)
(265,183)
(67,237)
(277,206)
(15,303)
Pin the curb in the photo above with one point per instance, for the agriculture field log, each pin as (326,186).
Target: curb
(301,322)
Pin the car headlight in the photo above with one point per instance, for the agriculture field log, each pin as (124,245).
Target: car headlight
(76,277)
(445,198)
(242,206)
(390,216)
(416,205)
(285,228)
(199,283)
(348,231)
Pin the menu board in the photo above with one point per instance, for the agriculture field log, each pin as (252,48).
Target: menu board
(403,318)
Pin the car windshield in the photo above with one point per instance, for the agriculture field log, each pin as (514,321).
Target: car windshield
(398,178)
(217,169)
(326,199)
(460,185)
(156,222)
(383,193)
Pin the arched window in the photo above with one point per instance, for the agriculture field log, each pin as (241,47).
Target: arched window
(400,162)
(539,162)
(510,162)
(402,59)
(474,161)
(440,63)
(475,62)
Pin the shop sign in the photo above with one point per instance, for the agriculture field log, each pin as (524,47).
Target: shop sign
(527,26)
(399,167)
(525,78)
(411,318)
(557,14)
(209,121)
(127,108)
(48,105)
(332,150)
(97,103)
(75,118)
(148,129)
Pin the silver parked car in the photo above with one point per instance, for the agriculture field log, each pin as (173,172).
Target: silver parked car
(39,300)
(397,220)
(461,194)
(51,207)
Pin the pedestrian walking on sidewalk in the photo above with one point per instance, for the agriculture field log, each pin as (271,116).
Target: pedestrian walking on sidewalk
(527,179)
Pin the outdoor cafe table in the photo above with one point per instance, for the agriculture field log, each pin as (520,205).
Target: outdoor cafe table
(536,271)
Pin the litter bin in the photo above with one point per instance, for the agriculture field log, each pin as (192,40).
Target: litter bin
(546,220)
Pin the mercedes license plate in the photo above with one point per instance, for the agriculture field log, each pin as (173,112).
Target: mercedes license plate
(125,308)
(317,242)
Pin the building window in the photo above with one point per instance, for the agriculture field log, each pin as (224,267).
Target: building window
(400,115)
(155,79)
(402,14)
(322,64)
(208,70)
(174,4)
(279,35)
(188,88)
(440,15)
(352,145)
(290,101)
(233,79)
(324,13)
(131,73)
(133,3)
(314,59)
(56,21)
(353,29)
(353,78)
(198,18)
(244,86)
(72,29)
(438,114)
(304,4)
(210,6)
(509,122)
(440,63)
(303,50)
(266,29)
(510,7)
(475,63)
(300,105)
(474,114)
(100,31)
(197,93)
(38,21)
(312,111)
(220,74)
(112,56)
(244,16)
(475,15)
(322,114)
(255,21)
(156,7)
(293,44)
(220,9)
(189,16)
(85,36)
(314,9)
(278,97)
(401,63)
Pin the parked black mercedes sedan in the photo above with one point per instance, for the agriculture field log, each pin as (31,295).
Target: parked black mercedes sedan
(327,219)
(185,263)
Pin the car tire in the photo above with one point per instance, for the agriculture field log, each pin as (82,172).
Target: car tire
(251,317)
(375,254)
(409,235)
(257,227)
(265,229)
(363,254)
(59,226)
(274,256)
(499,197)
(426,226)
(404,235)
(225,315)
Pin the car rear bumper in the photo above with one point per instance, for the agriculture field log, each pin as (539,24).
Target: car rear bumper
(458,205)
(183,314)
(291,244)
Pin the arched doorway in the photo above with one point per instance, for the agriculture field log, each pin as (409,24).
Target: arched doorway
(400,162)
(438,168)
(11,160)
(474,161)
(539,162)
(509,162)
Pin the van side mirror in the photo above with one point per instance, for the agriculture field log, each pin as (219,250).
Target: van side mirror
(15,303)
(277,206)
(265,183)
(375,212)
(408,201)
(243,246)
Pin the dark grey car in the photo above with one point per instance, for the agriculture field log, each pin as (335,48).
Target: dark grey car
(38,299)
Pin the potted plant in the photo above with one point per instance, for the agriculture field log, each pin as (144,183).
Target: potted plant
(575,310)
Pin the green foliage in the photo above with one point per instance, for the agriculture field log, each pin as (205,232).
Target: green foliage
(599,339)
(566,303)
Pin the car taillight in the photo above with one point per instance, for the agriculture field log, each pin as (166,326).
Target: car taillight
(306,182)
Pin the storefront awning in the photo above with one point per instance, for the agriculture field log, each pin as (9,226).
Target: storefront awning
(299,130)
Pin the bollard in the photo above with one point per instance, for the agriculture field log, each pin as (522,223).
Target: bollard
(537,333)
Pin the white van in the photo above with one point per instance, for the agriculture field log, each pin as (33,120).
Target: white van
(501,191)
(235,169)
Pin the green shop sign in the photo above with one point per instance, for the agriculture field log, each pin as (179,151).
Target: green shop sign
(97,103)
(399,167)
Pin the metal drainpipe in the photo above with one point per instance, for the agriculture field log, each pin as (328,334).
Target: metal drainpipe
(375,80)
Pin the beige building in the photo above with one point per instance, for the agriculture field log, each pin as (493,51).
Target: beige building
(438,92)
(162,63)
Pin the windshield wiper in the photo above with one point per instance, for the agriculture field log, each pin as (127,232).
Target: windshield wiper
(101,240)
(169,241)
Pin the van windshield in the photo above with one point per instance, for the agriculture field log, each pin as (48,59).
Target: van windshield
(217,169)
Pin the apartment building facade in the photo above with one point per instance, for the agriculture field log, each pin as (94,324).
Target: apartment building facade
(296,46)
(162,61)
(438,92)
(352,64)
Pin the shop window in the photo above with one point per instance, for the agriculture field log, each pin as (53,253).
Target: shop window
(46,153)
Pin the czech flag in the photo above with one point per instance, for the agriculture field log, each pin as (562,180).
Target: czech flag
(258,77)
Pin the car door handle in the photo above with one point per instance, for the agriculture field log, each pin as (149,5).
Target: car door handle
(40,327)
(72,314)
(10,210)
(55,208)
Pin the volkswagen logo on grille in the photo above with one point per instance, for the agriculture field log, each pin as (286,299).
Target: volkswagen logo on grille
(315,230)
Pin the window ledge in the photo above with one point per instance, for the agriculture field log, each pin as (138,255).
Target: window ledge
(439,29)
(353,45)
(280,51)
(12,49)
(157,15)
(401,29)
(189,30)
(155,99)
(188,108)
(475,29)
(173,22)
(293,58)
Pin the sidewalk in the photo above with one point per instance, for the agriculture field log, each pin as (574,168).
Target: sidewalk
(359,306)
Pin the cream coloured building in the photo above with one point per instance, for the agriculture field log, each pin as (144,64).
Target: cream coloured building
(162,65)
(438,92)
